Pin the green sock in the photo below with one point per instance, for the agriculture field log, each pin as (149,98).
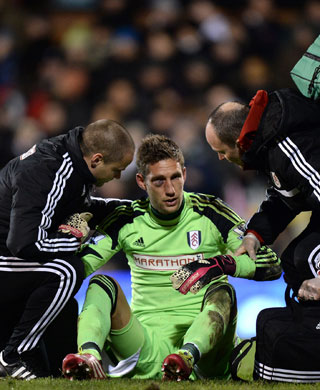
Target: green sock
(210,325)
(95,319)
(127,341)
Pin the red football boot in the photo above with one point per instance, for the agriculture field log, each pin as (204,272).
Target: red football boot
(82,366)
(176,367)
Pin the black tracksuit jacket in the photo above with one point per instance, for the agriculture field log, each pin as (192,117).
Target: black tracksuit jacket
(286,148)
(38,190)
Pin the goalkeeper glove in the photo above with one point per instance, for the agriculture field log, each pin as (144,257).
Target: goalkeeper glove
(77,226)
(193,276)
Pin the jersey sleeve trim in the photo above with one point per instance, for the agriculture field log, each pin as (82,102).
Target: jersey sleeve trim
(121,216)
(217,211)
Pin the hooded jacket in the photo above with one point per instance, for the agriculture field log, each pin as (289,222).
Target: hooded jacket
(286,147)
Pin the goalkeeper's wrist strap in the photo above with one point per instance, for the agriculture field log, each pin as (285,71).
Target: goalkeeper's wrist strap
(221,264)
(70,230)
(227,263)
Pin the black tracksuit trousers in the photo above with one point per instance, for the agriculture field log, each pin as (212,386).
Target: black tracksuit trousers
(38,311)
(301,259)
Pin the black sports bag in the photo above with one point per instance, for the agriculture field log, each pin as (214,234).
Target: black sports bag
(287,343)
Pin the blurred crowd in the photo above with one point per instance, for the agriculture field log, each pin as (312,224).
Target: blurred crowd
(156,66)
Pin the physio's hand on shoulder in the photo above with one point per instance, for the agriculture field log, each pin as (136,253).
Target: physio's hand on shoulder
(195,275)
(310,290)
(77,226)
(250,244)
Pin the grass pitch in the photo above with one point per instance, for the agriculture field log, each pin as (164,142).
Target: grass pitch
(132,384)
(245,371)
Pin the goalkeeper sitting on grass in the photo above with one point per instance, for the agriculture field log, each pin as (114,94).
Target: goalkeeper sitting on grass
(171,239)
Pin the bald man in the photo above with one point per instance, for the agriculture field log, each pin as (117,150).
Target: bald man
(277,134)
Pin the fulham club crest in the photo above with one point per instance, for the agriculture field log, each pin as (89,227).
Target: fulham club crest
(194,239)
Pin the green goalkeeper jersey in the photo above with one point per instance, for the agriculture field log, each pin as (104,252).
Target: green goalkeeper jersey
(156,246)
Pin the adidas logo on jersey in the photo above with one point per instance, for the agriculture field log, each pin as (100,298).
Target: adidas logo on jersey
(318,326)
(139,242)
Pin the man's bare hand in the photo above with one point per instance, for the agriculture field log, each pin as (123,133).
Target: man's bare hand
(310,290)
(250,244)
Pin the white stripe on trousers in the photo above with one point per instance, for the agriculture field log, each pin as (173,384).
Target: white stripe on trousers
(67,283)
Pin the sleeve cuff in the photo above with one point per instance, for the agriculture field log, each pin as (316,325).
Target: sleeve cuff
(257,235)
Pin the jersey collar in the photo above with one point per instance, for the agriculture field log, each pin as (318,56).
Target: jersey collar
(167,219)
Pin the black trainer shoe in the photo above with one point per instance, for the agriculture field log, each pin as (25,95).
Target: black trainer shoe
(18,370)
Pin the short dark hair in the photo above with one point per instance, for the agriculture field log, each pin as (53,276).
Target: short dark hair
(155,148)
(228,123)
(107,137)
